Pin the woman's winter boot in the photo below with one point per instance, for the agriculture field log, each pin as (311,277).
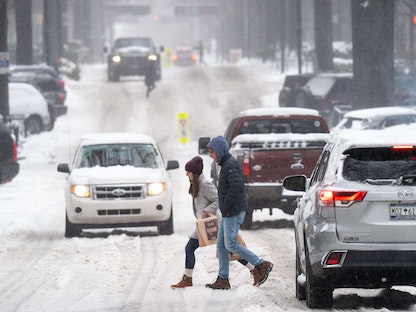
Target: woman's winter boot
(185,282)
(220,283)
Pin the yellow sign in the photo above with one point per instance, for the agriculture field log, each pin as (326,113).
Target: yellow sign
(183,128)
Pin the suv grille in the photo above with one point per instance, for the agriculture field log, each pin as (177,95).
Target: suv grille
(114,192)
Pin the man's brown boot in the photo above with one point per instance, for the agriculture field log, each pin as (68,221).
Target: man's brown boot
(264,268)
(220,283)
(256,276)
(185,282)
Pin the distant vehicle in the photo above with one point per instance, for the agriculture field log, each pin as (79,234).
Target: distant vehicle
(76,51)
(376,118)
(28,105)
(184,56)
(355,223)
(9,166)
(324,91)
(118,180)
(129,56)
(272,143)
(48,81)
(291,87)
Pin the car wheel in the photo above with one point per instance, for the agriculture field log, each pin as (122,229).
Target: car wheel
(70,229)
(300,289)
(318,294)
(33,125)
(167,227)
(248,220)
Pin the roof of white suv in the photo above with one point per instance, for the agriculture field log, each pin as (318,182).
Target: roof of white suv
(116,137)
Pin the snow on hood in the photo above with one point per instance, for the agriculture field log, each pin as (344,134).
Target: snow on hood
(117,174)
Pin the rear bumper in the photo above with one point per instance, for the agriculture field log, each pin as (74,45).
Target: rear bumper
(8,171)
(372,269)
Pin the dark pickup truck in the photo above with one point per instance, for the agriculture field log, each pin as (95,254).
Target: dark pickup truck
(273,143)
(9,167)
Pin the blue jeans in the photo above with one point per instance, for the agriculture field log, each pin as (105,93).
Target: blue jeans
(227,242)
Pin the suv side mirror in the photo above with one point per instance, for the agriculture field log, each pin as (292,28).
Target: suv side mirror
(202,145)
(295,183)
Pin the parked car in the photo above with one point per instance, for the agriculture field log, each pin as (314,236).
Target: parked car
(291,87)
(76,51)
(376,118)
(324,91)
(270,144)
(184,56)
(48,81)
(118,180)
(9,166)
(30,107)
(355,223)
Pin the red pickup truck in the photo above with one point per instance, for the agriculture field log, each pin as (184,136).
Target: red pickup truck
(273,143)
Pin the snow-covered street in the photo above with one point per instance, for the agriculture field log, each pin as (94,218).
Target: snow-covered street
(131,269)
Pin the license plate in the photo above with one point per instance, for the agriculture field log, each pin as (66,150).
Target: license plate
(402,211)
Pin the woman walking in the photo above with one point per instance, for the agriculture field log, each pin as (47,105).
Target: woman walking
(205,200)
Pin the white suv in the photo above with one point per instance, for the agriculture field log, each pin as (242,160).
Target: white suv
(118,180)
(355,225)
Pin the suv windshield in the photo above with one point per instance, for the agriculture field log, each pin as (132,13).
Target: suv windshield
(297,125)
(132,42)
(137,155)
(382,163)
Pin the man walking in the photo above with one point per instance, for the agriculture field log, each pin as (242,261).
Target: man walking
(232,199)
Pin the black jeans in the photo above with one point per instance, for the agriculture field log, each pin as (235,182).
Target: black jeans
(190,248)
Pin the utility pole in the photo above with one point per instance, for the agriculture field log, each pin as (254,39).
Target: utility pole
(299,34)
(4,62)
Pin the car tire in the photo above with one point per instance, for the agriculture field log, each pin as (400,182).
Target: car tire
(318,293)
(33,125)
(248,220)
(70,229)
(166,228)
(300,289)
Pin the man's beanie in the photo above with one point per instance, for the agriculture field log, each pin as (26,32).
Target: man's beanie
(195,165)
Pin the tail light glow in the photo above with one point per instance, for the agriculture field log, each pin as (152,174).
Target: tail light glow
(402,147)
(246,165)
(340,198)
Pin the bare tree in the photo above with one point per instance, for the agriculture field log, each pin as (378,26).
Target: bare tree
(24,48)
(373,52)
(4,91)
(323,35)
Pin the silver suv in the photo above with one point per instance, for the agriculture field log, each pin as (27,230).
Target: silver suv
(355,225)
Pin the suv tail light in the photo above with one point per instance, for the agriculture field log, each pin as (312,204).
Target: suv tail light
(62,96)
(14,151)
(61,82)
(340,198)
(246,164)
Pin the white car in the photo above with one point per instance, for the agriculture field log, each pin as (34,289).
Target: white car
(376,118)
(29,105)
(118,180)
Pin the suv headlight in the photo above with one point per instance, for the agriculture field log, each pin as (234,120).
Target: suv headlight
(156,188)
(152,57)
(80,190)
(116,59)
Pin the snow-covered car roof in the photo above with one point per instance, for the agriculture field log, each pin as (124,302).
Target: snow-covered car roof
(355,138)
(279,111)
(378,112)
(115,138)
